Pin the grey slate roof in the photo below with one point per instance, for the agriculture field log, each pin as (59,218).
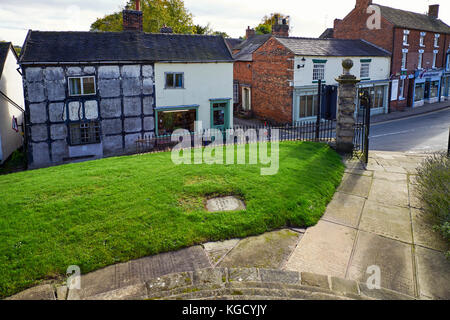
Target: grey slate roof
(4,50)
(233,42)
(413,20)
(327,34)
(332,47)
(63,47)
(249,46)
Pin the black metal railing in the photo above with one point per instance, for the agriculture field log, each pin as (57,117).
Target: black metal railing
(323,131)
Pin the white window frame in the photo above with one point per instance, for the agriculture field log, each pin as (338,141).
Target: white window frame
(81,86)
(422,39)
(318,69)
(420,60)
(404,59)
(405,37)
(365,76)
(436,40)
(435,53)
(249,107)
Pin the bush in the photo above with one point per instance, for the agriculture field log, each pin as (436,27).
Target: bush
(433,182)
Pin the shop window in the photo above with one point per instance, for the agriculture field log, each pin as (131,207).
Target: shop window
(419,92)
(434,89)
(79,86)
(376,94)
(171,120)
(308,106)
(174,80)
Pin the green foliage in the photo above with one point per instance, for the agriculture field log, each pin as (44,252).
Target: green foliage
(433,186)
(102,212)
(265,27)
(156,14)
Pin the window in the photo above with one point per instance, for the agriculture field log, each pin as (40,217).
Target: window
(419,62)
(434,89)
(402,89)
(84,133)
(448,62)
(404,59)
(376,95)
(174,80)
(79,86)
(319,71)
(309,105)
(170,120)
(435,52)
(422,39)
(419,92)
(436,40)
(405,37)
(365,70)
(236,92)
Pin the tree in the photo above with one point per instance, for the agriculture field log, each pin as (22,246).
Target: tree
(156,14)
(199,29)
(267,22)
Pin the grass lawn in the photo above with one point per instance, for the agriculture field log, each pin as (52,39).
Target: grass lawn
(102,212)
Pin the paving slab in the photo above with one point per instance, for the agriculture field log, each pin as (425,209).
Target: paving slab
(355,184)
(217,250)
(360,172)
(390,193)
(344,209)
(394,258)
(389,221)
(433,272)
(390,176)
(269,250)
(41,292)
(414,200)
(325,249)
(424,234)
(138,271)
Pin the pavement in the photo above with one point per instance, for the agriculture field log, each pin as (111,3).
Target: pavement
(374,221)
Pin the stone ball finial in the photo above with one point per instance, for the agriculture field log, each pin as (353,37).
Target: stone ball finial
(347,64)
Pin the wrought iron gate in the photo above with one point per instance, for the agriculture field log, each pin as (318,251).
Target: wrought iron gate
(362,130)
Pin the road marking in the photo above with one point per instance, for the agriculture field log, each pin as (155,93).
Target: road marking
(392,133)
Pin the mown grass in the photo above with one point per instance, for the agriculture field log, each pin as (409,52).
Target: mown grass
(98,213)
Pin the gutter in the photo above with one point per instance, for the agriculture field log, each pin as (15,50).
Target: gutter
(121,62)
(11,101)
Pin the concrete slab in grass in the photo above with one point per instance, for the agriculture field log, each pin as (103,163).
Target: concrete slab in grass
(389,193)
(433,272)
(389,221)
(42,292)
(324,249)
(355,184)
(424,234)
(344,209)
(269,250)
(394,258)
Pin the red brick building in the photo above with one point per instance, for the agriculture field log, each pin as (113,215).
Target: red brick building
(419,44)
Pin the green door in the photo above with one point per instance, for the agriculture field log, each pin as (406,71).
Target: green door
(219,115)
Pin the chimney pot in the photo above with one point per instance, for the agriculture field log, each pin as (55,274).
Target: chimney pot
(138,5)
(249,32)
(433,11)
(281,27)
(364,4)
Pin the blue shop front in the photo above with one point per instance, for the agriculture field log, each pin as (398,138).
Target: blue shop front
(427,86)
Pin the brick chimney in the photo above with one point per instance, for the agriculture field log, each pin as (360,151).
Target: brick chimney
(249,33)
(433,11)
(336,23)
(132,19)
(363,4)
(281,27)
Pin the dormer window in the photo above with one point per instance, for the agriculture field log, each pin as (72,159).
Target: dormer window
(405,37)
(422,39)
(436,40)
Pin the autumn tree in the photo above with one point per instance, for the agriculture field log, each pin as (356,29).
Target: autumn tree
(265,27)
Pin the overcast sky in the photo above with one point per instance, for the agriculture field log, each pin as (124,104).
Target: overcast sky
(308,18)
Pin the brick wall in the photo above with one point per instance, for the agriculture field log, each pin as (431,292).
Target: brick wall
(242,73)
(272,71)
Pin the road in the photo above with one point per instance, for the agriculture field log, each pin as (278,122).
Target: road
(422,133)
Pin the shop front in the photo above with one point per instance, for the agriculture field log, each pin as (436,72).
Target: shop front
(445,87)
(377,91)
(427,86)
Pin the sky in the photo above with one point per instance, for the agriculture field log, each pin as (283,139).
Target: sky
(307,18)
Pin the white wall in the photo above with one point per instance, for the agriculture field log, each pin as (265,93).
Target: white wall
(202,81)
(10,85)
(379,69)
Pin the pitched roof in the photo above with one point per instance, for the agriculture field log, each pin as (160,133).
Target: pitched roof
(63,47)
(413,20)
(233,42)
(332,47)
(327,34)
(4,49)
(249,46)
